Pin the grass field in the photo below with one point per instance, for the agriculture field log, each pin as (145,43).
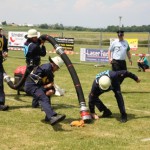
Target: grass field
(22,128)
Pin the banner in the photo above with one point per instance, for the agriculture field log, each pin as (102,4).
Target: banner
(133,43)
(66,43)
(93,55)
(17,39)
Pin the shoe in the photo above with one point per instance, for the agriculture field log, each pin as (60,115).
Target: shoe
(4,107)
(106,114)
(55,119)
(123,118)
(94,116)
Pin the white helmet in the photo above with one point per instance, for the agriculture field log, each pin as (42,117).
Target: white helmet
(58,61)
(104,82)
(32,33)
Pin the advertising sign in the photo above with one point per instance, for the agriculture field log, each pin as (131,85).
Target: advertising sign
(133,43)
(93,55)
(66,43)
(17,39)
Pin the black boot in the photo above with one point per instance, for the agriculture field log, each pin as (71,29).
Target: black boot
(107,113)
(55,119)
(4,107)
(123,118)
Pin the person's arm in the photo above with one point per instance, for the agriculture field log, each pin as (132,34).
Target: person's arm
(129,57)
(125,74)
(109,56)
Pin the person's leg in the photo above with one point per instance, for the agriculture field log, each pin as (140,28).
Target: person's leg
(121,106)
(95,101)
(3,107)
(51,115)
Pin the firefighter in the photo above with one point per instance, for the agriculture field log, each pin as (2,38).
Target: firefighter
(3,55)
(104,82)
(40,83)
(33,50)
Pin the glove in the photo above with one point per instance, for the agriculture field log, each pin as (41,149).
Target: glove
(77,123)
(6,78)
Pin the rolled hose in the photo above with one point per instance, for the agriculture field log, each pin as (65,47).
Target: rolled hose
(59,50)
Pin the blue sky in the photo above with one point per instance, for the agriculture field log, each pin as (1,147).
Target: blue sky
(86,13)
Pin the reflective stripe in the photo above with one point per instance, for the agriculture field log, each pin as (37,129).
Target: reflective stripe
(101,74)
(1,43)
(26,48)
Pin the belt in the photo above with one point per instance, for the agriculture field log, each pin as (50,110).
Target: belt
(119,60)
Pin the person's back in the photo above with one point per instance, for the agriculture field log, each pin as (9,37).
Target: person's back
(32,49)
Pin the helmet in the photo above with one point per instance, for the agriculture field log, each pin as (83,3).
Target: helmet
(104,82)
(32,33)
(1,28)
(58,61)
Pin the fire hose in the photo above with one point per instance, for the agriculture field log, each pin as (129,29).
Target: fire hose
(84,113)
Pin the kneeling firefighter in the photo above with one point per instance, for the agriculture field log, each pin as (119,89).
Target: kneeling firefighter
(39,84)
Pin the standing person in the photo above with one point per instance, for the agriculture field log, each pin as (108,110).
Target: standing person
(117,53)
(3,55)
(142,63)
(33,49)
(40,83)
(104,82)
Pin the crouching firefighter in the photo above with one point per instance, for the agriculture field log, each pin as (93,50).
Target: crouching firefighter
(39,84)
(104,82)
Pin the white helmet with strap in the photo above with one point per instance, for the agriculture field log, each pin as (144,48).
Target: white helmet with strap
(104,82)
(57,60)
(32,33)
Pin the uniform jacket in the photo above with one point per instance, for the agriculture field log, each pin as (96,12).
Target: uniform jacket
(33,52)
(3,46)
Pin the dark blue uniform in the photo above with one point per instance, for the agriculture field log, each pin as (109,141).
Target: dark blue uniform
(115,77)
(33,52)
(3,48)
(34,86)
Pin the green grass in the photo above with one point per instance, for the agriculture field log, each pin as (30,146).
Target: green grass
(21,127)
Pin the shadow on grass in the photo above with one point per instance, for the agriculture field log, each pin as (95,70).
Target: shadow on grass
(18,97)
(18,107)
(140,92)
(129,116)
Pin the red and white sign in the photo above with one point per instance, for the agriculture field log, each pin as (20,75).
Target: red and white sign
(16,39)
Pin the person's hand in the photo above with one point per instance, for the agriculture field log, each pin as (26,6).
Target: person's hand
(5,54)
(110,60)
(49,85)
(130,61)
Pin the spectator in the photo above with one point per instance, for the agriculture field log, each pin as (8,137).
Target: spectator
(142,63)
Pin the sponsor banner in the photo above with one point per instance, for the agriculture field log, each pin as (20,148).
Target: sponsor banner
(17,39)
(66,43)
(93,55)
(133,43)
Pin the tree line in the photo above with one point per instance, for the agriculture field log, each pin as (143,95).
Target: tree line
(111,28)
